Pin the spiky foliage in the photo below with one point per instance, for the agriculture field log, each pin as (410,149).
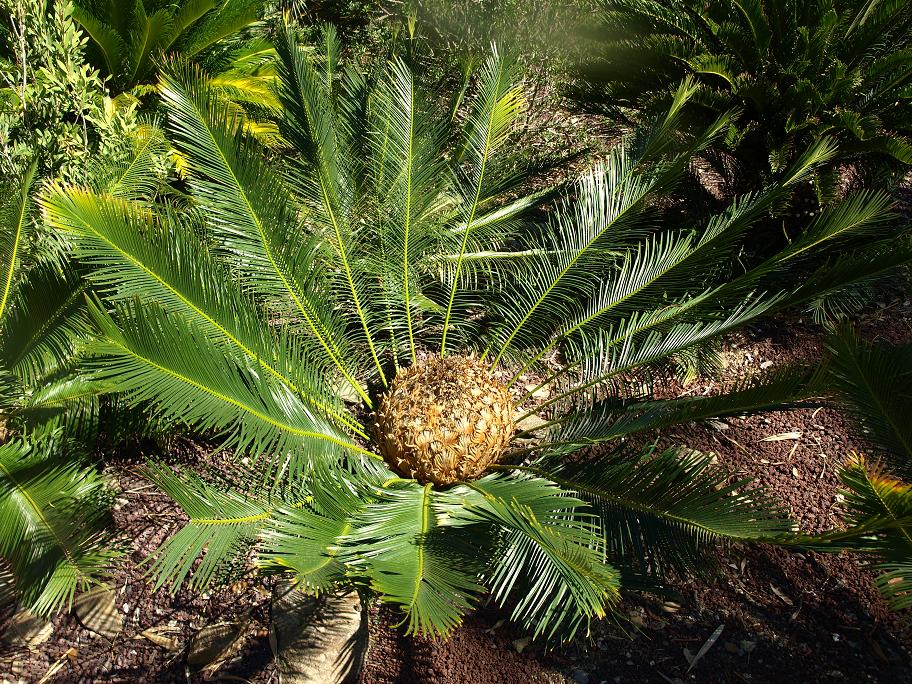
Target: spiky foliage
(883,504)
(54,517)
(129,36)
(284,304)
(874,381)
(53,501)
(795,70)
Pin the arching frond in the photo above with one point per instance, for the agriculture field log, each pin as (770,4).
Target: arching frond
(14,226)
(46,324)
(150,356)
(252,217)
(408,554)
(220,522)
(54,516)
(135,254)
(552,566)
(660,510)
(874,382)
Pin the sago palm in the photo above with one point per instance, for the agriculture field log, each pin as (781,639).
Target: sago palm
(872,384)
(129,36)
(794,70)
(414,375)
(53,502)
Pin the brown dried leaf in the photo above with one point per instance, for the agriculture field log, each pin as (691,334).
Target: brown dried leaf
(782,437)
(778,592)
(157,636)
(214,644)
(97,610)
(27,629)
(521,644)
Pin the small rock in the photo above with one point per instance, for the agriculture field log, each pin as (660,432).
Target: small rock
(580,677)
(521,644)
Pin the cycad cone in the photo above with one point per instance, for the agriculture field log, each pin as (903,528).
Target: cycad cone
(444,420)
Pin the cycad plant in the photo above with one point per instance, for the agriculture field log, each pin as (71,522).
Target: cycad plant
(415,376)
(795,70)
(871,384)
(128,37)
(53,501)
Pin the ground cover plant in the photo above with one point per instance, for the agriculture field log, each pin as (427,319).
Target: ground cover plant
(376,328)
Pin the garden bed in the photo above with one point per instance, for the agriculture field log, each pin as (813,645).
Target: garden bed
(784,616)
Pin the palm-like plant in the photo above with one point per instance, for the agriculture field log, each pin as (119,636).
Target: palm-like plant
(872,383)
(794,70)
(420,376)
(130,36)
(53,502)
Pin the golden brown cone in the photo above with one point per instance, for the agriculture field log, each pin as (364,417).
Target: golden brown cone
(444,420)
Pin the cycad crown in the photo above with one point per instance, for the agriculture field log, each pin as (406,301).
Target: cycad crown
(444,420)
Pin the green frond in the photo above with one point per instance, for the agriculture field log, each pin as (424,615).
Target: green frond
(874,382)
(874,501)
(221,525)
(113,47)
(146,37)
(662,510)
(325,183)
(135,253)
(53,512)
(410,180)
(307,544)
(150,356)
(14,225)
(408,554)
(45,325)
(252,218)
(230,17)
(498,106)
(550,563)
(137,178)
(613,418)
(188,13)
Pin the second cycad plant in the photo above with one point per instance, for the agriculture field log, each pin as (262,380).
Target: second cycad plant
(420,375)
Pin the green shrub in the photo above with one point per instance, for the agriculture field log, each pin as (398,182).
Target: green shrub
(793,71)
(54,109)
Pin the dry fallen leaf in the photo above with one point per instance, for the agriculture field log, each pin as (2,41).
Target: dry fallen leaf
(214,644)
(97,610)
(520,644)
(782,436)
(157,636)
(70,654)
(495,626)
(693,660)
(778,592)
(28,629)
